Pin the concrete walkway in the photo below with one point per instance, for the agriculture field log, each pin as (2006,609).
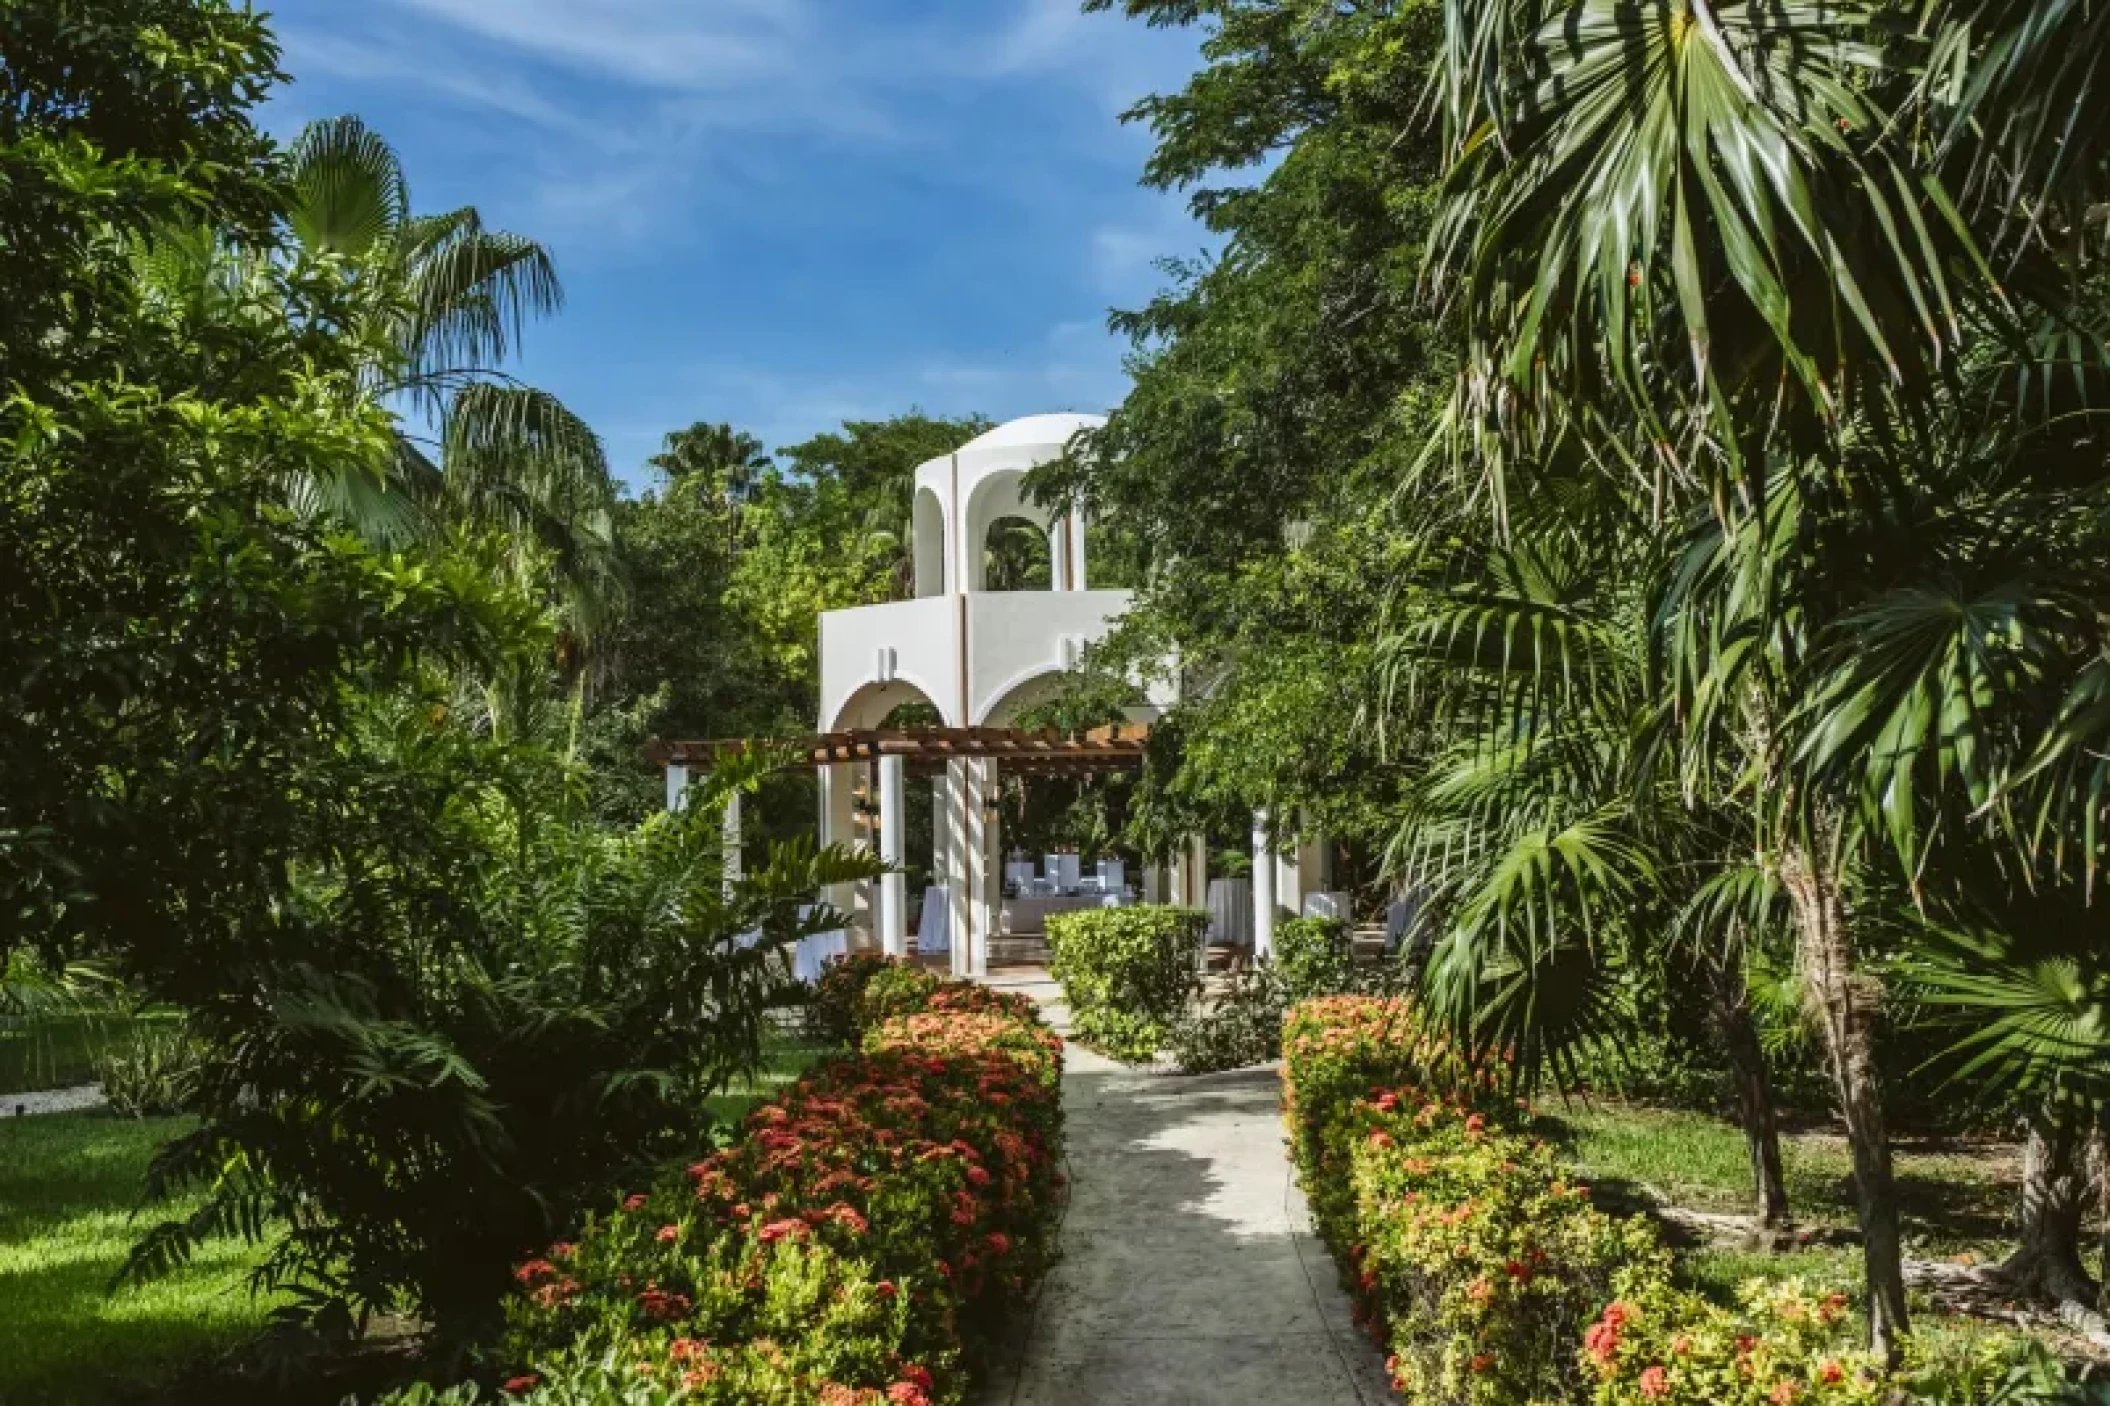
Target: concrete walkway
(1189,1271)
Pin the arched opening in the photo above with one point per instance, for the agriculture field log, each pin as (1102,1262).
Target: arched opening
(928,528)
(1016,556)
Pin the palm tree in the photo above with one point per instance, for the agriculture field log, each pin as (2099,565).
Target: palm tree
(727,464)
(1737,260)
(1544,826)
(445,299)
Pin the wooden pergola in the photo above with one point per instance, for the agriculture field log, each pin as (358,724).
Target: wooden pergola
(926,751)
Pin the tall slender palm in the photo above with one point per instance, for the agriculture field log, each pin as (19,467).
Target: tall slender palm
(726,463)
(447,299)
(1736,256)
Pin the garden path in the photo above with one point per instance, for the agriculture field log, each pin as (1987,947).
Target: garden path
(1189,1270)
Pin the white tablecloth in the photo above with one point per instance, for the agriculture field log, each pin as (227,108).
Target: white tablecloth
(811,954)
(1403,916)
(934,929)
(1230,912)
(1331,904)
(1024,916)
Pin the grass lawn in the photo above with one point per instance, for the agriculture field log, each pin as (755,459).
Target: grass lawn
(784,1058)
(68,1182)
(1956,1197)
(57,1051)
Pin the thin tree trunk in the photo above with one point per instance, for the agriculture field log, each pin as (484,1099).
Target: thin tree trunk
(1755,1108)
(1845,1005)
(2099,1170)
(2047,1262)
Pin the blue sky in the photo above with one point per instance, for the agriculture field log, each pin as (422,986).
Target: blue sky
(783,213)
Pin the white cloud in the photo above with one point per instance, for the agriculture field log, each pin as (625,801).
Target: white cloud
(690,47)
(399,62)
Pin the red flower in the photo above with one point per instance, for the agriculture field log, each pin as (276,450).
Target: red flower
(885,1289)
(668,1234)
(526,1382)
(634,1203)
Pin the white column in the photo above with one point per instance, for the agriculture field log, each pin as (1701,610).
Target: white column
(1263,885)
(985,865)
(893,885)
(959,831)
(677,786)
(1196,892)
(1153,883)
(940,828)
(1078,581)
(838,787)
(731,844)
(1059,555)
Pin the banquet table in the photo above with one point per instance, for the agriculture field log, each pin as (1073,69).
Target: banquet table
(1027,916)
(1230,912)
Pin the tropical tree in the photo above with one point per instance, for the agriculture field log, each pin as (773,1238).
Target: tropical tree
(1715,255)
(446,302)
(724,465)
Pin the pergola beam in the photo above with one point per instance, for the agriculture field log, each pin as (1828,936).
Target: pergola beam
(1046,752)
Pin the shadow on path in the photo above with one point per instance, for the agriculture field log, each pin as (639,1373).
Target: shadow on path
(1189,1271)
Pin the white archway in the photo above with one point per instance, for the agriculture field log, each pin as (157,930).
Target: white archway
(928,542)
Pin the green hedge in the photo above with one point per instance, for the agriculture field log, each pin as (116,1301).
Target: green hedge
(1475,1257)
(1127,973)
(1314,957)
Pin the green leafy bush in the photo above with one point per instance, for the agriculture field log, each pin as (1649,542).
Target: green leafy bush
(1242,1028)
(834,1011)
(1127,973)
(1314,957)
(493,1014)
(153,1070)
(863,1242)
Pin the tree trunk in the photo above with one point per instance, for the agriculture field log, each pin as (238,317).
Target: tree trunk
(2099,1169)
(1754,1099)
(1844,1003)
(2047,1262)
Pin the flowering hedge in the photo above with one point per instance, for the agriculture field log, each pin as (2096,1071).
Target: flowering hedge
(860,1243)
(865,989)
(1475,1258)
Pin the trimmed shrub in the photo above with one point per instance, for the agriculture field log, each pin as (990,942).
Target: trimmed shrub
(861,1243)
(1127,973)
(1314,957)
(1243,1028)
(1790,1341)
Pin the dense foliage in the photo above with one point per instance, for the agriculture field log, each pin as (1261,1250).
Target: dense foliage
(1694,419)
(1127,974)
(863,1242)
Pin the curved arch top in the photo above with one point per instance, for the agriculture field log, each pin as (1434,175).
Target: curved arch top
(979,483)
(967,649)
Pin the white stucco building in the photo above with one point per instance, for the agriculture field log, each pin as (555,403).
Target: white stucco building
(978,658)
